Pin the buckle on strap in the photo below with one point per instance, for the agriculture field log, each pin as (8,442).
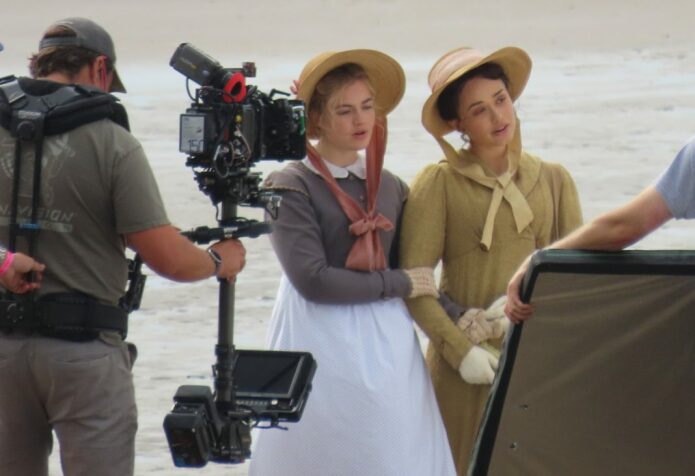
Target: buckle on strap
(16,314)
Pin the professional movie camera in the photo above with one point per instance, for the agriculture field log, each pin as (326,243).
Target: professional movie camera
(229,126)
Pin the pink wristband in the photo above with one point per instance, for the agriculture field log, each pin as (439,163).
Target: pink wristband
(9,258)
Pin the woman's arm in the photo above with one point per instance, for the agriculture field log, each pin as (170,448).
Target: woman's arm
(297,241)
(422,244)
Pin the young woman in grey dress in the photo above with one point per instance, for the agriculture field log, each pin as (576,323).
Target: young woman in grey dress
(372,409)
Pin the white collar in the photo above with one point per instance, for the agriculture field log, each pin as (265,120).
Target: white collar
(357,168)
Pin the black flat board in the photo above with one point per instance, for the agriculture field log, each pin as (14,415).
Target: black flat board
(602,379)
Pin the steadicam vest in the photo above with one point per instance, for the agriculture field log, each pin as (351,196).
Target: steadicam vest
(29,118)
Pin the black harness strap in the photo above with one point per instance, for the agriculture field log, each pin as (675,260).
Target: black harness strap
(29,119)
(34,226)
(65,108)
(26,126)
(15,197)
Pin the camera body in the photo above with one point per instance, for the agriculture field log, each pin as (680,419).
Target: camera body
(194,428)
(231,125)
(269,386)
(261,128)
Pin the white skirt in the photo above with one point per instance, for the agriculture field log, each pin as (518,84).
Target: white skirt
(371,411)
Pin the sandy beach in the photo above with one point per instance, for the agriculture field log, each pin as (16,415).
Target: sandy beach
(611,97)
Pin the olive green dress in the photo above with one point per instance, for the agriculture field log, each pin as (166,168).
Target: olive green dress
(481,229)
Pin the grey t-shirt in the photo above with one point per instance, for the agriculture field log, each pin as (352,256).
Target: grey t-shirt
(96,185)
(677,183)
(312,241)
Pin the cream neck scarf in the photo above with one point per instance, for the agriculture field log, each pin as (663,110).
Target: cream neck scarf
(503,186)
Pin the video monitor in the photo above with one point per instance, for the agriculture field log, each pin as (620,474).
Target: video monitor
(274,384)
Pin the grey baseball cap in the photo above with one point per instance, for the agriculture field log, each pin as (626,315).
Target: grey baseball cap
(88,35)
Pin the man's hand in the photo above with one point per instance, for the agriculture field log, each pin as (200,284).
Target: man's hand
(170,254)
(516,309)
(16,278)
(612,231)
(233,256)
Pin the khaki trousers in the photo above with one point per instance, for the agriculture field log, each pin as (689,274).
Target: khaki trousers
(81,390)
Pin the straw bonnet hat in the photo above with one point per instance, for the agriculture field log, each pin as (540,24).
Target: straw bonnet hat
(385,74)
(454,64)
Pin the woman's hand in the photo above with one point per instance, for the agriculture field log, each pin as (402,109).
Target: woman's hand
(480,325)
(478,367)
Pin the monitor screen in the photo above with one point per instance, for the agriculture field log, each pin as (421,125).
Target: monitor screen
(269,374)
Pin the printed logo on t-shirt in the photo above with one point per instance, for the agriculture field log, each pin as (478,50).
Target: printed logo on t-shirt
(56,152)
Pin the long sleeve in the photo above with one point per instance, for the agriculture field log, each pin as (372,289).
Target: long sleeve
(422,244)
(298,241)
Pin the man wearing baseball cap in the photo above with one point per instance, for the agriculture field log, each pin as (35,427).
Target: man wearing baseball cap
(86,34)
(64,364)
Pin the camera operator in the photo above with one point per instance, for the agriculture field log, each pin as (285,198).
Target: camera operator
(64,365)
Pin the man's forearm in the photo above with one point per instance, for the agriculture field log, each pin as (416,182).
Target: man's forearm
(604,233)
(621,227)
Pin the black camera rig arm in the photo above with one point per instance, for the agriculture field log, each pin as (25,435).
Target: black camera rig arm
(242,228)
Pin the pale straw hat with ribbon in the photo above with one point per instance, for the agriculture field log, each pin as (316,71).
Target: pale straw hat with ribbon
(388,81)
(454,64)
(385,75)
(516,65)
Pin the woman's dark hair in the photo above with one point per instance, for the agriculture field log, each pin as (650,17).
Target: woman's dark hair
(447,102)
(66,59)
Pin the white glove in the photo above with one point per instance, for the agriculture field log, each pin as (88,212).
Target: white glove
(478,366)
(475,325)
(480,325)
